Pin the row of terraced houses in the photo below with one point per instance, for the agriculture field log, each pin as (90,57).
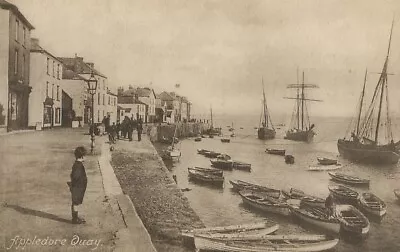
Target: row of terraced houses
(41,90)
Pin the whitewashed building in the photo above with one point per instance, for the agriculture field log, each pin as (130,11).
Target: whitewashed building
(45,99)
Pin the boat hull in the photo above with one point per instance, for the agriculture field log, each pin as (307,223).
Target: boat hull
(208,244)
(366,154)
(350,180)
(302,136)
(222,164)
(344,195)
(372,205)
(352,220)
(281,209)
(266,133)
(330,226)
(276,152)
(239,185)
(242,166)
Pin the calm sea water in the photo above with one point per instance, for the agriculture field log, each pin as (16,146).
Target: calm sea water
(224,207)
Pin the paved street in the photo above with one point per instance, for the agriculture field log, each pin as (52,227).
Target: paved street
(35,199)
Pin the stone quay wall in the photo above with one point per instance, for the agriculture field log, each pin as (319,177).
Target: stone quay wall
(160,132)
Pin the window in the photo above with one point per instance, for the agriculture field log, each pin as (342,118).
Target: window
(58,115)
(58,71)
(23,66)
(98,98)
(53,68)
(47,115)
(104,99)
(58,92)
(104,84)
(16,62)
(47,89)
(109,100)
(52,91)
(24,36)
(16,29)
(98,115)
(48,66)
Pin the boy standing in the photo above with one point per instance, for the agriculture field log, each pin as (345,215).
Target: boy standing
(78,184)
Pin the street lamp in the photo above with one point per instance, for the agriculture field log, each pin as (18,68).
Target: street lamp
(92,88)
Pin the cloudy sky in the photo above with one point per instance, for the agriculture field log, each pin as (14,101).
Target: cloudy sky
(219,50)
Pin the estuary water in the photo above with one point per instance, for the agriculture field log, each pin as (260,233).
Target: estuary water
(224,207)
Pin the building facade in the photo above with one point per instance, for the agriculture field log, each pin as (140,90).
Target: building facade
(101,108)
(131,107)
(75,88)
(145,95)
(14,67)
(45,100)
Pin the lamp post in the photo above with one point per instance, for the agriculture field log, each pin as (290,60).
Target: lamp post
(92,88)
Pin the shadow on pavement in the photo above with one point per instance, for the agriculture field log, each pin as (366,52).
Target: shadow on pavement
(37,213)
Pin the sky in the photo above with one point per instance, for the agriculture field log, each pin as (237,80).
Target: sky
(219,51)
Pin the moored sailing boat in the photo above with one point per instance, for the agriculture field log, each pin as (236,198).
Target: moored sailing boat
(300,127)
(364,144)
(266,130)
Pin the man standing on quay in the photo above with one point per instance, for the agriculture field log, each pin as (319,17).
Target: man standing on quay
(139,129)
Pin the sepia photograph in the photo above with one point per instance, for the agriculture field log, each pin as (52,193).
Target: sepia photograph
(199,125)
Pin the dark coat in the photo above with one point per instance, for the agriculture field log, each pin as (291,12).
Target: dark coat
(78,183)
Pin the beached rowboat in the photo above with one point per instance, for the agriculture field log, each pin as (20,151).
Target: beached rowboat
(305,198)
(371,204)
(347,179)
(241,165)
(327,161)
(308,243)
(239,185)
(318,217)
(206,177)
(263,202)
(202,151)
(344,194)
(222,164)
(233,232)
(352,220)
(280,152)
(324,168)
(212,171)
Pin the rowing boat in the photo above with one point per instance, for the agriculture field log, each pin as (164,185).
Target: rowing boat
(213,171)
(316,216)
(233,232)
(327,161)
(352,220)
(211,154)
(372,204)
(280,152)
(324,168)
(305,198)
(206,177)
(265,203)
(347,179)
(239,185)
(308,243)
(241,165)
(344,194)
(222,164)
(202,151)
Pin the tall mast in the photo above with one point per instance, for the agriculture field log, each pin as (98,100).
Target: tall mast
(265,123)
(298,102)
(211,119)
(302,104)
(361,104)
(383,80)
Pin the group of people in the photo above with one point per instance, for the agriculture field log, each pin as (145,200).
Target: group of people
(124,129)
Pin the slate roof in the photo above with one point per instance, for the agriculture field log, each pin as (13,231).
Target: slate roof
(140,92)
(71,75)
(77,65)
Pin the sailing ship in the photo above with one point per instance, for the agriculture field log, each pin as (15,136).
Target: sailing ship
(300,128)
(213,131)
(365,144)
(267,130)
